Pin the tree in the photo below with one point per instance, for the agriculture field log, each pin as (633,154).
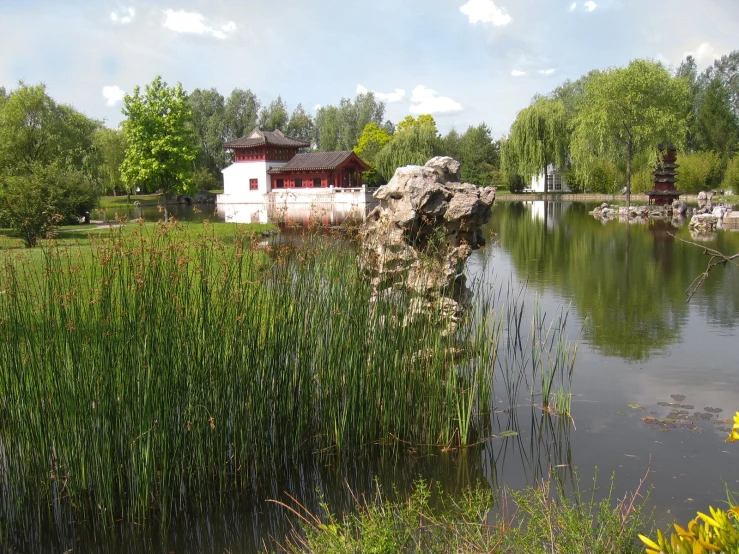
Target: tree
(716,127)
(242,113)
(274,117)
(34,202)
(209,127)
(161,148)
(539,137)
(725,69)
(110,149)
(450,145)
(371,142)
(35,130)
(339,128)
(300,125)
(479,156)
(414,143)
(628,110)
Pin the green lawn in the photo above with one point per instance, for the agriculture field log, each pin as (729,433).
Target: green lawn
(82,235)
(122,200)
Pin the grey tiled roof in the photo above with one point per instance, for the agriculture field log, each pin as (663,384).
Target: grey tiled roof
(316,161)
(257,137)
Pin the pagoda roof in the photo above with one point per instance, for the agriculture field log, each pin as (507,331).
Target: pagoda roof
(258,138)
(319,161)
(664,193)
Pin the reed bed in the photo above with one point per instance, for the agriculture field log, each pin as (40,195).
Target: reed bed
(147,372)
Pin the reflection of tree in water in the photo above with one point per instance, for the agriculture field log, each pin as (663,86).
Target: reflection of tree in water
(629,281)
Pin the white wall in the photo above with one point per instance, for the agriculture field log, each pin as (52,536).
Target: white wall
(236,181)
(537,182)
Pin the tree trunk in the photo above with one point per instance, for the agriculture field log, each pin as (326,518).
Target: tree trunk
(546,179)
(628,173)
(166,210)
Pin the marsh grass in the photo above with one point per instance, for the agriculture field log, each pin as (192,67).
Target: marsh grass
(146,372)
(536,520)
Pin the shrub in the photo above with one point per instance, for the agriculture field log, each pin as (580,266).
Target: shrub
(699,171)
(731,176)
(33,204)
(714,533)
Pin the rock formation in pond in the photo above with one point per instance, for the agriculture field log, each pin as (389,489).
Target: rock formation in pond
(415,243)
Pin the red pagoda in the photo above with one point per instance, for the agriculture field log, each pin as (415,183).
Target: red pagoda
(665,177)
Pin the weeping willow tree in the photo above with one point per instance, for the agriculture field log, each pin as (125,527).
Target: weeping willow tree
(415,142)
(539,137)
(626,112)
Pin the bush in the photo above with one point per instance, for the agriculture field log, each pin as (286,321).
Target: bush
(515,183)
(33,204)
(699,171)
(714,533)
(540,522)
(731,176)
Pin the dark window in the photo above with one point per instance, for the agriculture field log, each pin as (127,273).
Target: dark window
(316,181)
(280,184)
(253,184)
(298,183)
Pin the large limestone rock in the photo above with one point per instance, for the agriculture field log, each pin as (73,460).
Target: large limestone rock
(703,223)
(415,243)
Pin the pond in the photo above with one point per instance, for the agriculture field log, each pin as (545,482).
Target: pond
(654,378)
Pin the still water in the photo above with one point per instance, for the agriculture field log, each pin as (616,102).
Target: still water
(640,344)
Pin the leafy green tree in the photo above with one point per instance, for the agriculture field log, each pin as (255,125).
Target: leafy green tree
(725,69)
(339,128)
(242,113)
(274,117)
(300,125)
(716,126)
(731,175)
(539,136)
(209,127)
(371,142)
(110,149)
(414,143)
(35,202)
(450,145)
(626,111)
(161,148)
(479,156)
(326,132)
(35,130)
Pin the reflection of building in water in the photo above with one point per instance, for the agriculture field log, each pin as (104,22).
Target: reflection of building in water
(293,214)
(550,212)
(664,242)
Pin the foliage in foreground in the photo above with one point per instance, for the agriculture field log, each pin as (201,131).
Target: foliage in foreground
(534,521)
(705,534)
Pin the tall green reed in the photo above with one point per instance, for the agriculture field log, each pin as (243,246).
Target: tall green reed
(151,371)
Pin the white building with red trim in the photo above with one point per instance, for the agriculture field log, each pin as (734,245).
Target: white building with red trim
(269,167)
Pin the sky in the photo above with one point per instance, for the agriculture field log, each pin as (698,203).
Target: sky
(463,61)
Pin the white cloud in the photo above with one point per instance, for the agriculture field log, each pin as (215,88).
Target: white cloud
(704,55)
(317,107)
(573,6)
(547,71)
(590,5)
(485,11)
(660,57)
(193,22)
(518,73)
(113,94)
(125,16)
(390,97)
(427,100)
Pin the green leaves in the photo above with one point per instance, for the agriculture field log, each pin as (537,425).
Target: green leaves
(161,148)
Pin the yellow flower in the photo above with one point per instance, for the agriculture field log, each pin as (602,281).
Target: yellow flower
(734,435)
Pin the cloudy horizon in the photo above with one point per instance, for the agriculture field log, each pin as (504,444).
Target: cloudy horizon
(463,61)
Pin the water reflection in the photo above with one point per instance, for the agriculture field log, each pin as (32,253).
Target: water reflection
(628,281)
(301,215)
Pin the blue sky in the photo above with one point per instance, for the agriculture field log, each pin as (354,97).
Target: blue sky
(464,61)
